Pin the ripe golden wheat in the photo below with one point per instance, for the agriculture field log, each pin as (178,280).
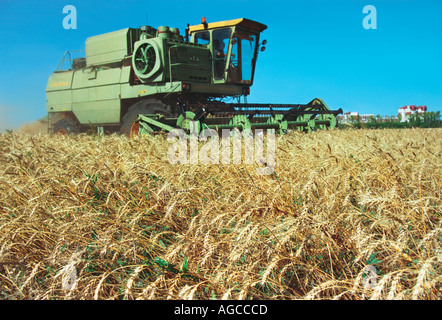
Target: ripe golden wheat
(135,226)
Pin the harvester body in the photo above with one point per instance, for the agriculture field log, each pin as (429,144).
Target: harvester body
(134,73)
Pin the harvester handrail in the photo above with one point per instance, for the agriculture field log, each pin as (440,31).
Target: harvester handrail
(61,63)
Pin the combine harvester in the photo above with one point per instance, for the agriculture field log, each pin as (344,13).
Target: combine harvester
(143,80)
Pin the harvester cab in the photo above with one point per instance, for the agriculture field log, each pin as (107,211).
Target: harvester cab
(234,47)
(143,80)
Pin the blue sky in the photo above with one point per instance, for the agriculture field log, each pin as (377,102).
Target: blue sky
(316,48)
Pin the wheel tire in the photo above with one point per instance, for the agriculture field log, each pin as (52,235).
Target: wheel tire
(66,126)
(143,107)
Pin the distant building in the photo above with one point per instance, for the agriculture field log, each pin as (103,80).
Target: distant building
(406,111)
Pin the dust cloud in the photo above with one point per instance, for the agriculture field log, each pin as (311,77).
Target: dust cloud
(35,127)
(10,122)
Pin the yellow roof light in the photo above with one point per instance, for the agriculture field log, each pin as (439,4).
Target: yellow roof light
(243,22)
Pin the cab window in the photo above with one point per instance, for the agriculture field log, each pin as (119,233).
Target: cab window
(242,59)
(202,38)
(220,43)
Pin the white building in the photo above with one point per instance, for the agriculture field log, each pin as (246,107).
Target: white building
(406,111)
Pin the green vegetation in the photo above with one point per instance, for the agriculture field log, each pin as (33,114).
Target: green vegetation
(424,120)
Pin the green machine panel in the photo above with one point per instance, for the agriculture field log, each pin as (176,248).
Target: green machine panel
(96,95)
(111,47)
(190,63)
(58,92)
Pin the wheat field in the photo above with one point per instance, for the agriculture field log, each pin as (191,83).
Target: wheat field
(108,217)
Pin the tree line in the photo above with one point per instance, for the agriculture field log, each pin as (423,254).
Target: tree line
(423,120)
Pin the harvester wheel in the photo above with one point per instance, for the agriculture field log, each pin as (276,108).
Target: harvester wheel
(66,126)
(134,129)
(149,106)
